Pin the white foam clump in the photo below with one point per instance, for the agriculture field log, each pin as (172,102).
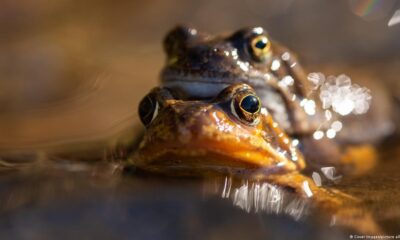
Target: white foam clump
(258,197)
(340,94)
(307,189)
(316,78)
(317,179)
(329,173)
(264,197)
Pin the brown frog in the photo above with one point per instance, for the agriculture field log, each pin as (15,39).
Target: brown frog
(231,132)
(234,135)
(200,65)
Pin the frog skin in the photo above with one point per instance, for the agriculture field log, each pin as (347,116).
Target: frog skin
(233,135)
(200,65)
(218,134)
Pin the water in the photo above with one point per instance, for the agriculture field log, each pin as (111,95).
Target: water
(63,201)
(69,205)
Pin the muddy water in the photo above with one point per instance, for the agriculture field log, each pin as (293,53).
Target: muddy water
(98,201)
(379,189)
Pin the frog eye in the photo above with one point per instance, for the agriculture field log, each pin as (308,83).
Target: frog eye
(246,107)
(260,47)
(148,109)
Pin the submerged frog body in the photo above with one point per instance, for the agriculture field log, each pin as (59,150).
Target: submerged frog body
(230,133)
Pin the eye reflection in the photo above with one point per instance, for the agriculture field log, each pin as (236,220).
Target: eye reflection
(261,48)
(250,104)
(246,107)
(261,44)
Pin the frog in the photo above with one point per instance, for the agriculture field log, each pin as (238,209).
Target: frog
(230,132)
(232,135)
(199,65)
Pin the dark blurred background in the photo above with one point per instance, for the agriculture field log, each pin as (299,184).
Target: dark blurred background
(72,69)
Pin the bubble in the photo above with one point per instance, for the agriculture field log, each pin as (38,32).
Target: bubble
(330,133)
(337,126)
(318,135)
(309,107)
(243,65)
(343,107)
(326,99)
(285,56)
(288,80)
(343,81)
(344,97)
(316,78)
(275,65)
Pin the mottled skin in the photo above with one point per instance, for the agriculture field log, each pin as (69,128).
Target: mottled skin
(199,136)
(200,65)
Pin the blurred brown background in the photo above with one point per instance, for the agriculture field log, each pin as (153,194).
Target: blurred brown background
(72,70)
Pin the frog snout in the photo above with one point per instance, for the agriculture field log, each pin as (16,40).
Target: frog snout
(187,121)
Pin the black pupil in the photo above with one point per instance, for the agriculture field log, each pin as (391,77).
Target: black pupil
(261,44)
(250,104)
(146,110)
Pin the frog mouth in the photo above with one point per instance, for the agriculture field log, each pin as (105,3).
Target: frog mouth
(210,158)
(200,163)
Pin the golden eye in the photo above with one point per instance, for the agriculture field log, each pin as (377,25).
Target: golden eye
(261,48)
(246,107)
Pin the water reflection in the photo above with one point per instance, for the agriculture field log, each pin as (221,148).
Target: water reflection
(52,195)
(264,197)
(260,197)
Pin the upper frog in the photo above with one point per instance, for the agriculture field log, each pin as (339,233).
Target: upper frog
(200,65)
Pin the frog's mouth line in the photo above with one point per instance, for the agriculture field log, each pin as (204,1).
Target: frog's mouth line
(200,163)
(178,76)
(197,89)
(204,86)
(212,156)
